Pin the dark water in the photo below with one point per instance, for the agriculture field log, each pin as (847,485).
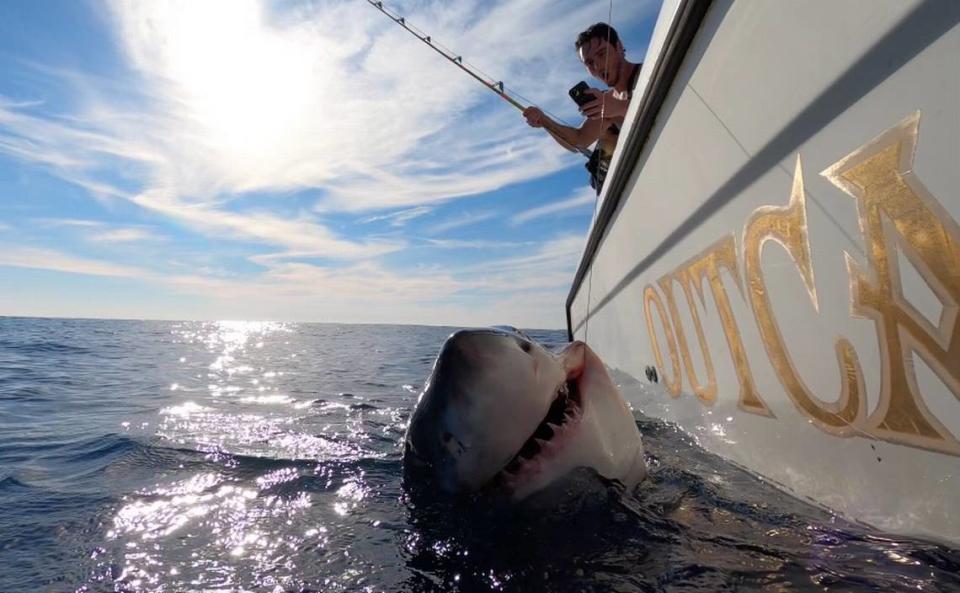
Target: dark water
(157,456)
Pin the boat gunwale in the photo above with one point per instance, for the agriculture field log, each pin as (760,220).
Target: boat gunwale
(683,30)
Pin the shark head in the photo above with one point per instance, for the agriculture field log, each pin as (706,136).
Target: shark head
(501,412)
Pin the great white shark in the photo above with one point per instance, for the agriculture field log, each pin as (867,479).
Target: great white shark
(502,414)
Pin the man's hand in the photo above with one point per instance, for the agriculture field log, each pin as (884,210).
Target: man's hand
(534,117)
(605,105)
(573,139)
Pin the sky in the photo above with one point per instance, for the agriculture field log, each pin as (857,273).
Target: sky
(292,160)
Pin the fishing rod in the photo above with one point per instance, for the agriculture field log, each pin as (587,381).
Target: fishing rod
(457,61)
(497,87)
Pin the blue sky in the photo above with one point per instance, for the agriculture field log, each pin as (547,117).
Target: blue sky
(292,161)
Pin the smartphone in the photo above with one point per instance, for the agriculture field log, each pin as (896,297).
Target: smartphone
(580,95)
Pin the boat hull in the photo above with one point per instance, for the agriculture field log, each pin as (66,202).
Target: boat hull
(783,249)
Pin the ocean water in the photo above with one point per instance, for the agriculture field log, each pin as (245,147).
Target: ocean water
(187,456)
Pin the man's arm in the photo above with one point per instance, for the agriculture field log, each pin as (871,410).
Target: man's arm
(573,139)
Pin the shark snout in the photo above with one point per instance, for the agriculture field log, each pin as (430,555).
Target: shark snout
(469,350)
(475,410)
(435,439)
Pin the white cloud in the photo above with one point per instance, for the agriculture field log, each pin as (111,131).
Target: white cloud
(48,259)
(581,198)
(562,250)
(123,235)
(101,232)
(461,220)
(485,153)
(67,222)
(551,265)
(400,218)
(367,282)
(527,290)
(300,237)
(368,292)
(477,244)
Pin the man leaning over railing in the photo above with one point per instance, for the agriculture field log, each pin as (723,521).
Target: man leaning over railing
(604,57)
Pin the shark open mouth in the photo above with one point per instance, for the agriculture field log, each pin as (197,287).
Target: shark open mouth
(564,412)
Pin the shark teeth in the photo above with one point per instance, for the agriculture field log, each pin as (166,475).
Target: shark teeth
(565,408)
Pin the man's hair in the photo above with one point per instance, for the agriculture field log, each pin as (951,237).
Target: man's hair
(601,31)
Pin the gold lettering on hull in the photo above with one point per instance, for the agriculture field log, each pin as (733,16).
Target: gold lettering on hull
(897,212)
(787,226)
(896,215)
(707,393)
(673,386)
(723,255)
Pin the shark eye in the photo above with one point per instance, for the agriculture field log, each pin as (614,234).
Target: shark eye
(526,346)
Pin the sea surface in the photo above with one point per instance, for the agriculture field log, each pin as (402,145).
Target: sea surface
(237,456)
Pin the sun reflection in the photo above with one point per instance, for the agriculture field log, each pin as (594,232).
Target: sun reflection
(720,431)
(151,519)
(276,398)
(185,409)
(255,510)
(900,558)
(350,494)
(226,520)
(238,333)
(271,479)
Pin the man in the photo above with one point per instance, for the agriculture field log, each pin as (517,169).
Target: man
(602,53)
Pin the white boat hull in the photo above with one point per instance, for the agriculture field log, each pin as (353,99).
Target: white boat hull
(783,248)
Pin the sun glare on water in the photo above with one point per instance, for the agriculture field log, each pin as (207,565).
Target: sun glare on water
(234,410)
